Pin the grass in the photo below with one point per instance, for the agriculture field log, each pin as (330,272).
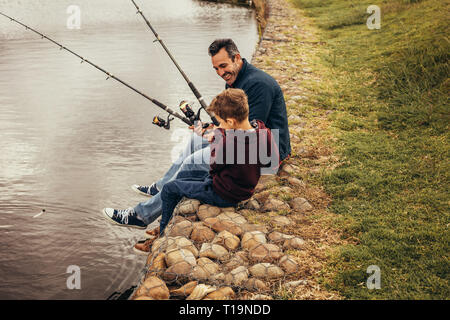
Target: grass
(388,93)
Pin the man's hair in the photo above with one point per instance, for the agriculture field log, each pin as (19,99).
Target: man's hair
(229,46)
(231,103)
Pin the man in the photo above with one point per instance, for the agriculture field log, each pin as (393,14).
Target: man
(266,102)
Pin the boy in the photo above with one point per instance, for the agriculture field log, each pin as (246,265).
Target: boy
(239,149)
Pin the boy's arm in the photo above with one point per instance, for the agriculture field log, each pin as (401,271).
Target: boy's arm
(218,152)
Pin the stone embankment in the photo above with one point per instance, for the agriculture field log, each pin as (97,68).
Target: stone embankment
(275,245)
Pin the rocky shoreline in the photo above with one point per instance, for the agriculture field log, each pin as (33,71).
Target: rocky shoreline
(275,245)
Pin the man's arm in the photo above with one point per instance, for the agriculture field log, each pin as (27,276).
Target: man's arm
(260,98)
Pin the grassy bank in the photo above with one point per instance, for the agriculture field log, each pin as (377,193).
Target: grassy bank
(387,91)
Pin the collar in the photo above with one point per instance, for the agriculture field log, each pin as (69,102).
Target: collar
(240,74)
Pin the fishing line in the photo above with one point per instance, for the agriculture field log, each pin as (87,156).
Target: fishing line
(189,82)
(110,75)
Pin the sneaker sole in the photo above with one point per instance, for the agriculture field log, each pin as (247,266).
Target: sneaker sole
(139,252)
(140,192)
(119,224)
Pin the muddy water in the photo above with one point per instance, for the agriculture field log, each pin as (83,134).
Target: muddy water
(73,143)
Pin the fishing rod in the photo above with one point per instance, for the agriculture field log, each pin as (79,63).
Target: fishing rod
(184,106)
(156,120)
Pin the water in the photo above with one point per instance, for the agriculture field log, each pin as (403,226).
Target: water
(73,143)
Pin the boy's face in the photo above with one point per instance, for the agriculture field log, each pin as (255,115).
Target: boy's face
(227,69)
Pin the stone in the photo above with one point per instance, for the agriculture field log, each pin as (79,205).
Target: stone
(156,264)
(177,272)
(232,216)
(295,284)
(260,297)
(275,205)
(288,264)
(224,293)
(281,221)
(175,256)
(205,268)
(234,262)
(294,243)
(218,277)
(220,225)
(278,237)
(252,204)
(183,228)
(266,252)
(296,182)
(249,227)
(154,288)
(301,205)
(227,240)
(286,190)
(266,271)
(237,276)
(181,243)
(200,291)
(255,284)
(143,298)
(250,239)
(185,290)
(186,206)
(213,251)
(202,233)
(207,211)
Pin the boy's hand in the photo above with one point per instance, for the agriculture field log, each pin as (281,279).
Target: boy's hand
(199,129)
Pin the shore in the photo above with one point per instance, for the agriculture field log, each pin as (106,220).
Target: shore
(275,245)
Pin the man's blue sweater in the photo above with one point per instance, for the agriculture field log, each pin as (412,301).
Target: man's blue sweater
(266,102)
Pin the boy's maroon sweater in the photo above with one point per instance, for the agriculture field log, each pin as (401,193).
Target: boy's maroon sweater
(235,176)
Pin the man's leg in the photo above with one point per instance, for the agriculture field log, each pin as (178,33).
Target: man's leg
(151,209)
(196,143)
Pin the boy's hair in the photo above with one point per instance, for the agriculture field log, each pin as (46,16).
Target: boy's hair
(229,46)
(231,103)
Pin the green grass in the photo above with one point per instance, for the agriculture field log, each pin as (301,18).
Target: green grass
(389,90)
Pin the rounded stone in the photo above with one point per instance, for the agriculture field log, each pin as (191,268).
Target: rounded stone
(181,243)
(187,206)
(265,252)
(301,205)
(266,271)
(183,228)
(232,216)
(225,293)
(227,240)
(237,276)
(213,251)
(252,238)
(288,264)
(294,243)
(154,288)
(275,205)
(279,237)
(178,255)
(202,233)
(220,225)
(207,211)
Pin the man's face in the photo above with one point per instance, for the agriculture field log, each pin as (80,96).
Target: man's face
(225,67)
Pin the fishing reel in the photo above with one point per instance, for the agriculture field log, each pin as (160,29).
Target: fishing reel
(160,122)
(185,107)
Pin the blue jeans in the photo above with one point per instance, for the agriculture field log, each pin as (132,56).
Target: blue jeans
(192,185)
(195,157)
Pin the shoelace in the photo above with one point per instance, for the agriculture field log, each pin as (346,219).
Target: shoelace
(123,215)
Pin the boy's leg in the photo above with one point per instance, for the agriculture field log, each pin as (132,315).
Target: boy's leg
(175,190)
